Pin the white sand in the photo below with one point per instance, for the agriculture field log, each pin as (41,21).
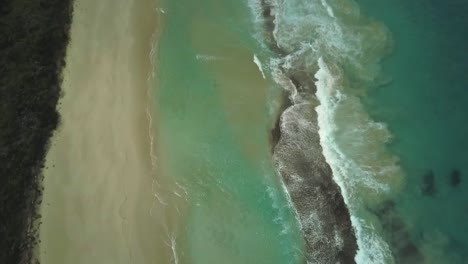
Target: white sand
(98,185)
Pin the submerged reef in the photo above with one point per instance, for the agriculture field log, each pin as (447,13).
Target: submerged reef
(428,185)
(323,215)
(34,37)
(455,178)
(397,234)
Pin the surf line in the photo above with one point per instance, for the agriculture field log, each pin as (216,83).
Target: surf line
(325,222)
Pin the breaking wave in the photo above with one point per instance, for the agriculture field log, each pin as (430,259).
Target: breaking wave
(329,57)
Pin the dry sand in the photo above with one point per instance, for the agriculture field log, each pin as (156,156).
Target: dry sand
(99,202)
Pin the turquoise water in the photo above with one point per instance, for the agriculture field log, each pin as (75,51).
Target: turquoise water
(235,209)
(391,88)
(390,97)
(339,48)
(425,107)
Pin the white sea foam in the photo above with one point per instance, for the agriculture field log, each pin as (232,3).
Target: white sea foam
(349,175)
(205,57)
(282,217)
(256,9)
(258,17)
(155,185)
(175,257)
(328,8)
(283,80)
(280,208)
(332,39)
(259,65)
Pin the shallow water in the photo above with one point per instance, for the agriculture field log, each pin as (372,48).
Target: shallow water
(172,162)
(214,123)
(394,137)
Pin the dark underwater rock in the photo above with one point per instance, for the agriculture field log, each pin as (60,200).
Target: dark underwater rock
(275,132)
(428,187)
(324,216)
(33,41)
(455,178)
(269,25)
(404,250)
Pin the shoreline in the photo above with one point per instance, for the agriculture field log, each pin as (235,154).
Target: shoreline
(99,191)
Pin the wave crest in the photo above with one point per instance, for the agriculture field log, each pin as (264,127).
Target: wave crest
(333,42)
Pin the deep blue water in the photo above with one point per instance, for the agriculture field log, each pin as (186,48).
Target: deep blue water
(425,107)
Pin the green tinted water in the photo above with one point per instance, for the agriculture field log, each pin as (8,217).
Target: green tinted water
(419,206)
(213,129)
(425,107)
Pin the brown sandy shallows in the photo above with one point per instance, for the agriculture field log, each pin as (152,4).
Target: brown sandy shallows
(99,201)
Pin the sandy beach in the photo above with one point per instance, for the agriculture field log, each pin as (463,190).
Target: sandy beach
(99,198)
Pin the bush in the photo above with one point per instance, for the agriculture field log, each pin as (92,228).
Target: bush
(33,41)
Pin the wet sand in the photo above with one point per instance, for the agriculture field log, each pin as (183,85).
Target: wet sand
(99,201)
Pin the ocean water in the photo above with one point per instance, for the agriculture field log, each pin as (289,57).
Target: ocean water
(339,48)
(391,89)
(389,92)
(425,106)
(390,83)
(213,129)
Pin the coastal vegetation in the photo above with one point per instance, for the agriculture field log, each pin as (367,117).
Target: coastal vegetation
(34,36)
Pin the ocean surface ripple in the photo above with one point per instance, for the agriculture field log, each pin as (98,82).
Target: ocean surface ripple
(327,56)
